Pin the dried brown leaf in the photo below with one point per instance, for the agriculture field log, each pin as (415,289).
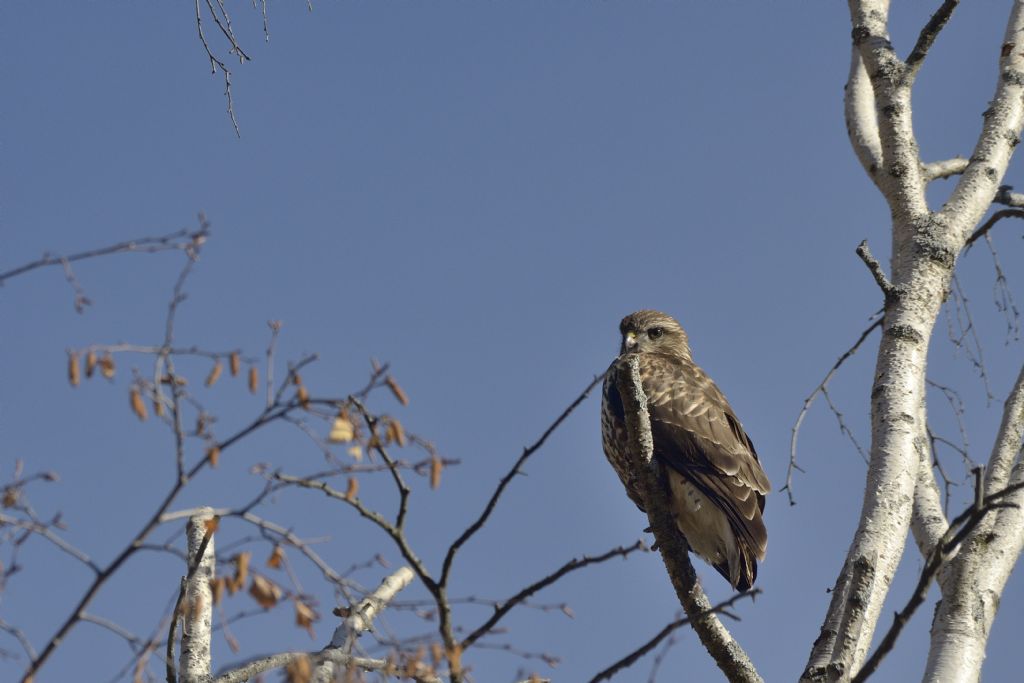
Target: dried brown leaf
(215,372)
(276,557)
(241,561)
(213,454)
(158,407)
(303,396)
(305,616)
(90,363)
(264,591)
(235,363)
(254,379)
(11,496)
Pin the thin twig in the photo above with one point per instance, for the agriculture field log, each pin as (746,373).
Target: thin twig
(505,480)
(990,223)
(822,386)
(1003,296)
(638,653)
(572,565)
(888,289)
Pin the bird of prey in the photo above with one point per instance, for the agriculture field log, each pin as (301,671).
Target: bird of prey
(715,482)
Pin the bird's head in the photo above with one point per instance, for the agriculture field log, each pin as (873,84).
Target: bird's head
(653,331)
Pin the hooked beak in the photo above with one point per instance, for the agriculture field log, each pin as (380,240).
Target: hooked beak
(629,341)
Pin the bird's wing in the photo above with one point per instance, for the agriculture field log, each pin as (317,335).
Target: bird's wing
(696,433)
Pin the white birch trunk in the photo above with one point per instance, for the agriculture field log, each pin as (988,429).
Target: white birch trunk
(924,250)
(197,605)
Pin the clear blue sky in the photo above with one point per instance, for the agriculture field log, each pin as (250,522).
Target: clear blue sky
(476,193)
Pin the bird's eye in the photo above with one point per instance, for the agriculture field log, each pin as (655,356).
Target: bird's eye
(655,332)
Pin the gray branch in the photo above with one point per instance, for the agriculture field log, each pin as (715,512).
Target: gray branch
(727,653)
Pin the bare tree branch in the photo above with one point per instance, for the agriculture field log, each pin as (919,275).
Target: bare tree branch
(990,223)
(929,33)
(572,565)
(724,649)
(361,619)
(822,386)
(183,240)
(634,656)
(947,168)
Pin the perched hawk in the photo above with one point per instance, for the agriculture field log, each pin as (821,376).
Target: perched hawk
(715,481)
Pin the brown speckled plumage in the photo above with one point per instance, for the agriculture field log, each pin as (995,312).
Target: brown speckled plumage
(715,480)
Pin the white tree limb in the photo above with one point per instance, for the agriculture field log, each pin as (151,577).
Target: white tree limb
(1006,451)
(924,251)
(1000,134)
(861,119)
(973,583)
(197,604)
(946,168)
(361,619)
(928,521)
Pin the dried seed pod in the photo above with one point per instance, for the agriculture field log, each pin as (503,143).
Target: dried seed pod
(214,375)
(138,405)
(435,471)
(213,454)
(254,379)
(397,390)
(396,432)
(235,362)
(241,561)
(74,372)
(353,489)
(158,407)
(107,365)
(303,396)
(90,363)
